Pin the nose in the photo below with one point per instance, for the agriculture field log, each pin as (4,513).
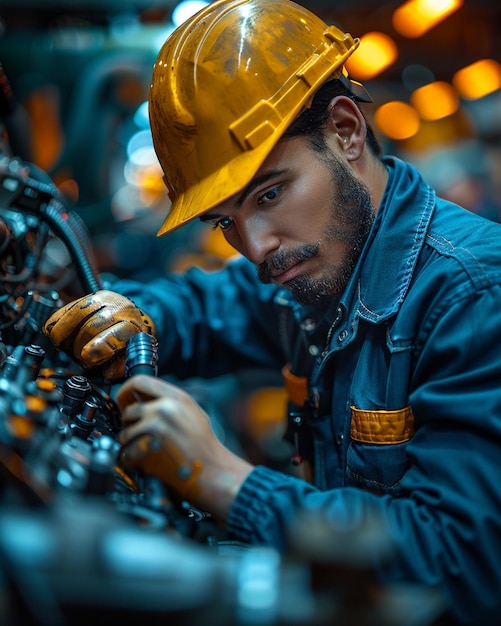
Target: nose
(254,239)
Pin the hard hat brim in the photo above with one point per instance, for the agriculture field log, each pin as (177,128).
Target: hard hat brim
(220,186)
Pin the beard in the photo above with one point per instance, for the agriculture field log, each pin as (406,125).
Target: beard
(350,221)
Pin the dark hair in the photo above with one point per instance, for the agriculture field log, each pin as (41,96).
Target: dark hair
(312,120)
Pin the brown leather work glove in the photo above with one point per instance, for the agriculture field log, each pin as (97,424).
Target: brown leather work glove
(95,329)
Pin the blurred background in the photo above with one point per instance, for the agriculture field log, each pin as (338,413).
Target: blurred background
(79,71)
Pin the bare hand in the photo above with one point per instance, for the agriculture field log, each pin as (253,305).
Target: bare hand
(168,435)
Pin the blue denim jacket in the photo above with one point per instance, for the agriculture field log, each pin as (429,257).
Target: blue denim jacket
(409,379)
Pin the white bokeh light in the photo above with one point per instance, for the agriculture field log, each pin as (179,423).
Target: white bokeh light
(185,10)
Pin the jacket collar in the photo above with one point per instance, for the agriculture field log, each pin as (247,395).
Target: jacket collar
(382,276)
(383,273)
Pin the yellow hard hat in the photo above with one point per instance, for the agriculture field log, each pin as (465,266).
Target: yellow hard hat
(226,85)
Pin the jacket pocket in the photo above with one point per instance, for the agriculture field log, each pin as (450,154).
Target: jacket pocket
(377,458)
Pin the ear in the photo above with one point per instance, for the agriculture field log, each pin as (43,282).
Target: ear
(348,126)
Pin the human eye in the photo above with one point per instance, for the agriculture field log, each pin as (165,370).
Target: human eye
(224,223)
(270,195)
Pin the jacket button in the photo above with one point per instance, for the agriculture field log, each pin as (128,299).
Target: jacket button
(342,335)
(308,325)
(339,439)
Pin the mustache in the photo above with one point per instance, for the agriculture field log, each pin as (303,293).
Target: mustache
(284,259)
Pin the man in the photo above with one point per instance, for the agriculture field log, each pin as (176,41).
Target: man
(380,302)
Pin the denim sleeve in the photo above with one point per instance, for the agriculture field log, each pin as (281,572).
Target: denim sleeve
(210,323)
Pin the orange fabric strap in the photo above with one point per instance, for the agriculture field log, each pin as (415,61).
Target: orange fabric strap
(296,386)
(382,427)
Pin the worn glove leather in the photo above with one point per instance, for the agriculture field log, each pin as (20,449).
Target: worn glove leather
(95,329)
(159,457)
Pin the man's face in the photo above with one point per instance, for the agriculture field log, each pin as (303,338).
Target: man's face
(302,220)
